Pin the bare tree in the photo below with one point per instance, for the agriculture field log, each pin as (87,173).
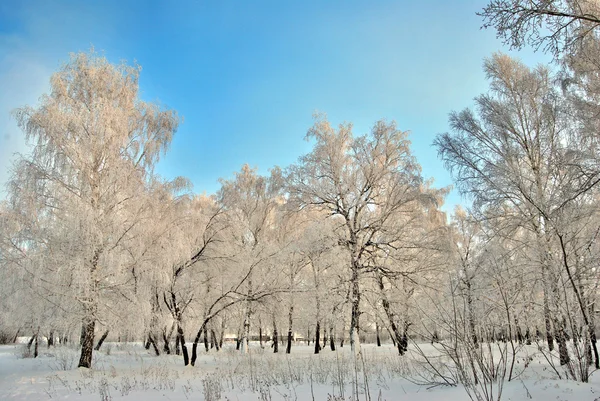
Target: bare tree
(557,26)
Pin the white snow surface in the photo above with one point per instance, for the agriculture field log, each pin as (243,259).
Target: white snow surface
(129,372)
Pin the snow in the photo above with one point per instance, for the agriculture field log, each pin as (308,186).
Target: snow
(130,372)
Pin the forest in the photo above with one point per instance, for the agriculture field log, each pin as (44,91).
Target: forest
(348,249)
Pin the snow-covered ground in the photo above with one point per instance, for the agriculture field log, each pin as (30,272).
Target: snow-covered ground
(129,372)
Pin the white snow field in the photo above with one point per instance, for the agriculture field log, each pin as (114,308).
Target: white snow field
(129,372)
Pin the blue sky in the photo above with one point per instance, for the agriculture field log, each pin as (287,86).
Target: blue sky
(248,75)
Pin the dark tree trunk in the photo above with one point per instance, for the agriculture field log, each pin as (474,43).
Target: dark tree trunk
(561,340)
(592,334)
(51,339)
(33,341)
(238,342)
(203,330)
(288,348)
(177,344)
(331,339)
(317,335)
(214,339)
(205,340)
(395,331)
(184,351)
(166,347)
(260,336)
(377,334)
(87,348)
(275,338)
(104,335)
(404,340)
(35,347)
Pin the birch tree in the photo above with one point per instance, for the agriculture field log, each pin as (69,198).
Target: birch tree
(362,183)
(94,146)
(251,201)
(520,152)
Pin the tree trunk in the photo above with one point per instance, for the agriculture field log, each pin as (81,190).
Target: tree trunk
(580,302)
(222,334)
(548,324)
(184,351)
(471,309)
(275,337)
(288,349)
(355,316)
(561,339)
(214,339)
(87,348)
(35,347)
(395,331)
(317,335)
(205,339)
(104,335)
(203,330)
(246,331)
(51,339)
(404,339)
(153,343)
(14,340)
(393,337)
(331,339)
(377,334)
(166,347)
(260,336)
(519,333)
(82,335)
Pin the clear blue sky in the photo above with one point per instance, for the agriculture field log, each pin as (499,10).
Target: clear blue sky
(247,75)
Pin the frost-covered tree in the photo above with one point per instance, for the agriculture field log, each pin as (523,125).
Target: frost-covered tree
(251,201)
(518,155)
(364,183)
(94,144)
